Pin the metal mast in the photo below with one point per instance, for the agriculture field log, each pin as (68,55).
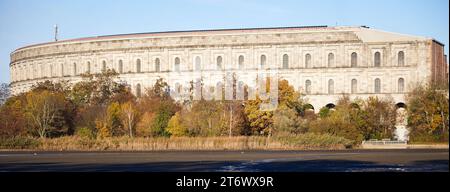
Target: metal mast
(56,32)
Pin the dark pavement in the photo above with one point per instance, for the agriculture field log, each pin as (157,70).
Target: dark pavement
(411,160)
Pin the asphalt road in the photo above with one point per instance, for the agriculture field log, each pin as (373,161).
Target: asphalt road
(230,161)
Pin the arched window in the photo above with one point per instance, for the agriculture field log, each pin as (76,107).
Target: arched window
(219,62)
(263,61)
(157,65)
(330,86)
(177,64)
(104,66)
(120,66)
(138,90)
(241,62)
(377,59)
(51,70)
(198,64)
(377,85)
(88,67)
(285,61)
(354,86)
(401,58)
(62,70)
(308,87)
(354,60)
(308,60)
(138,65)
(74,69)
(330,60)
(401,85)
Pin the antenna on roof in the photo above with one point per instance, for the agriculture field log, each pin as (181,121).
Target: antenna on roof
(56,32)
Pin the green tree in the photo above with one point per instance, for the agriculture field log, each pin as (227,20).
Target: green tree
(345,120)
(99,89)
(162,117)
(324,112)
(338,123)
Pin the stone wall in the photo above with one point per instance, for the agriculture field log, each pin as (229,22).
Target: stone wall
(66,60)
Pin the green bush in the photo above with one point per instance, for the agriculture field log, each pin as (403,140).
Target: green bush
(19,143)
(85,133)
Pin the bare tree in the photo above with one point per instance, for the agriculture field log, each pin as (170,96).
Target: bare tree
(4,92)
(129,116)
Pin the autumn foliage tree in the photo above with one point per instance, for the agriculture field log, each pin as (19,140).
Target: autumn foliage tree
(343,121)
(380,118)
(428,112)
(45,111)
(175,127)
(98,89)
(156,107)
(12,118)
(109,123)
(262,122)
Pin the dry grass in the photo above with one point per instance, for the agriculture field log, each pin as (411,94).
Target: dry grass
(72,143)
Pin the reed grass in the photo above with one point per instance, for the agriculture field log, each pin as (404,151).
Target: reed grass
(74,143)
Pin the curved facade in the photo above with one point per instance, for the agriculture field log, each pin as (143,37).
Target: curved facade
(322,62)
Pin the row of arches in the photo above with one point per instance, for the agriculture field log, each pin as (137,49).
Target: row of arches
(308,106)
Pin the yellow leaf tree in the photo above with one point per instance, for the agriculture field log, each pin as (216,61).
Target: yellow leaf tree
(175,127)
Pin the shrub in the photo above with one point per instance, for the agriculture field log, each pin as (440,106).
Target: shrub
(19,143)
(85,132)
(312,140)
(337,124)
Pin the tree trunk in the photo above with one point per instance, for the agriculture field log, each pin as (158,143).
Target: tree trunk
(443,121)
(231,120)
(130,127)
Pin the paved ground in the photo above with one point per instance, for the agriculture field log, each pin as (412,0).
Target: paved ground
(290,161)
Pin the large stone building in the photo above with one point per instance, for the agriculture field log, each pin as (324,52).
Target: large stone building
(322,62)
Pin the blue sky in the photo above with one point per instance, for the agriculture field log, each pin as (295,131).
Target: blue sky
(25,22)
